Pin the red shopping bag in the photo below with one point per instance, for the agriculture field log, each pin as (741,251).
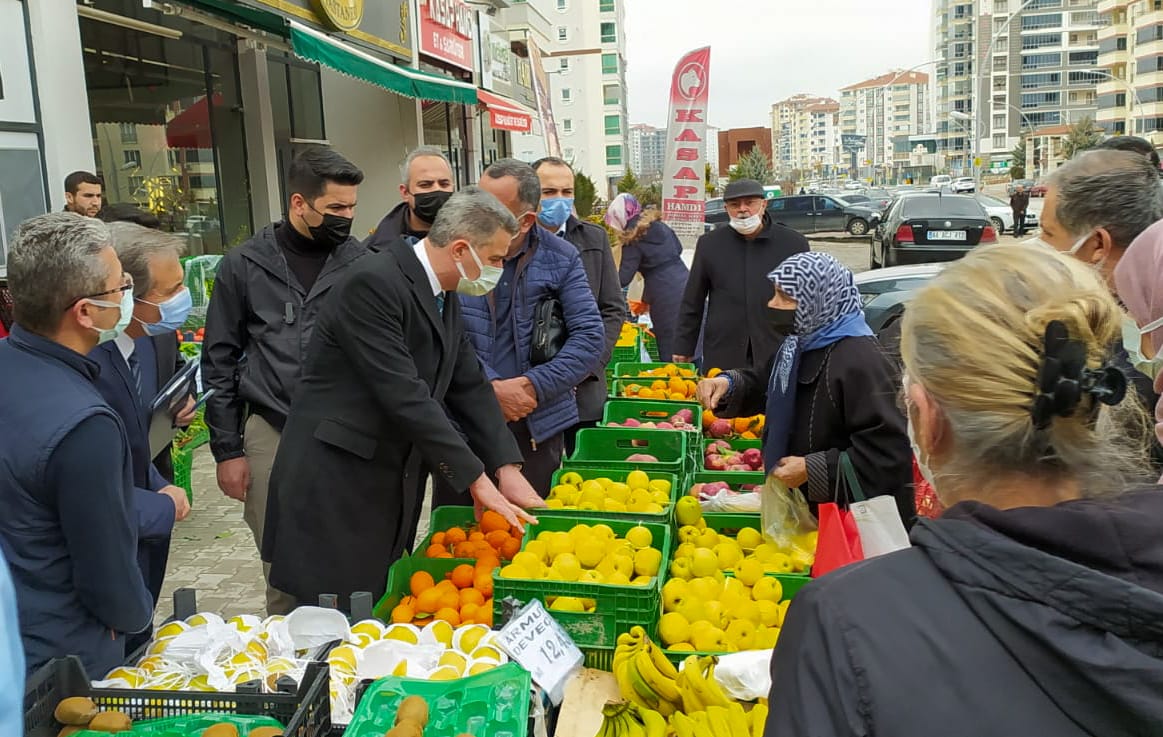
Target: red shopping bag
(838,542)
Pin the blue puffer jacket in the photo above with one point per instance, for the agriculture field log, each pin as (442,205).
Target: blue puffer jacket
(550,267)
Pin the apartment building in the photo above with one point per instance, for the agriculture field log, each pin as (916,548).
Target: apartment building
(735,143)
(647,151)
(804,134)
(886,110)
(1130,57)
(1039,69)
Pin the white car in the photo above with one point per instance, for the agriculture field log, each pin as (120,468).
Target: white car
(1002,216)
(963,185)
(884,292)
(941,180)
(853,184)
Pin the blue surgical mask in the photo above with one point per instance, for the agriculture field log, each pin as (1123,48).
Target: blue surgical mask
(104,335)
(483,284)
(174,312)
(1133,343)
(555,211)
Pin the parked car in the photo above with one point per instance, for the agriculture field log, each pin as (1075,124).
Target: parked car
(854,198)
(927,228)
(963,185)
(823,213)
(852,184)
(1027,184)
(1001,215)
(1038,190)
(941,180)
(884,292)
(879,196)
(714,214)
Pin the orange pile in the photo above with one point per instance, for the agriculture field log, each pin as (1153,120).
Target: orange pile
(465,596)
(674,388)
(492,538)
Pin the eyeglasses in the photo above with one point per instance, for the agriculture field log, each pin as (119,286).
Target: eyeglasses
(125,287)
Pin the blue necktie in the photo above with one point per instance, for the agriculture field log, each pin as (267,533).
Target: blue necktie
(135,372)
(440,303)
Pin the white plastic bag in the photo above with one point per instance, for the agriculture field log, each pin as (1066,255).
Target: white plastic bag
(745,676)
(881,529)
(730,501)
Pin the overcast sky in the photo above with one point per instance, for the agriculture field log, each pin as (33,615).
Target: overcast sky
(763,51)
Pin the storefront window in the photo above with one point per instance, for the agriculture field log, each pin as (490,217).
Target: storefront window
(21,184)
(444,127)
(167,127)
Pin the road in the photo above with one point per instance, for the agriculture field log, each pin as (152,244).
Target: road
(214,552)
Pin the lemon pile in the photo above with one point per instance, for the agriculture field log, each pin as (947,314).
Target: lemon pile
(589,554)
(436,652)
(638,493)
(704,552)
(720,614)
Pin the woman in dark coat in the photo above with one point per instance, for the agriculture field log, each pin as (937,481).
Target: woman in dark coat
(829,388)
(651,248)
(1034,604)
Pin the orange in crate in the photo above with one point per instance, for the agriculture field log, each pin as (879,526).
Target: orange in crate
(491,539)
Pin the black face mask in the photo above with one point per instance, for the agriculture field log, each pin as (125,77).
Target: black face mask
(426,205)
(783,320)
(332,232)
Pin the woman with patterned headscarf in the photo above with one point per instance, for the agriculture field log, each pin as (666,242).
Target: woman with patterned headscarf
(651,248)
(829,388)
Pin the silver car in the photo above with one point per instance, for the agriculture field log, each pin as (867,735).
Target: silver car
(963,185)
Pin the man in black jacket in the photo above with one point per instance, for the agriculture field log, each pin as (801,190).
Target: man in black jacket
(729,281)
(390,362)
(1019,203)
(592,241)
(267,296)
(427,186)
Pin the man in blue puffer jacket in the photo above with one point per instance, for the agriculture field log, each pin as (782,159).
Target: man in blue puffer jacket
(538,401)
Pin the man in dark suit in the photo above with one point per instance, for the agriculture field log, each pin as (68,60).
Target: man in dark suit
(1019,203)
(387,352)
(134,368)
(728,284)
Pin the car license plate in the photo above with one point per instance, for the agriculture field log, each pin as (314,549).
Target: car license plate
(946,235)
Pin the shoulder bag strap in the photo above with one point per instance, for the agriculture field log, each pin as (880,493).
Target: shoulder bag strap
(847,473)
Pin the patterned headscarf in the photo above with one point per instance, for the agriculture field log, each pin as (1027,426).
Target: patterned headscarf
(828,309)
(622,210)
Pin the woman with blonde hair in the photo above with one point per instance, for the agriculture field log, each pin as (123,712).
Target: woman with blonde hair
(651,248)
(1034,605)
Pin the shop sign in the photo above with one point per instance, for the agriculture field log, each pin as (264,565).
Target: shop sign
(446,31)
(342,15)
(683,190)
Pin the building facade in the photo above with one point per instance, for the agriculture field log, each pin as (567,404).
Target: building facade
(647,151)
(886,110)
(735,143)
(804,132)
(1130,56)
(1039,69)
(193,109)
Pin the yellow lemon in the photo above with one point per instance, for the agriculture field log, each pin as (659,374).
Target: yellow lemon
(537,548)
(567,604)
(135,677)
(566,567)
(647,562)
(559,543)
(171,629)
(370,627)
(660,485)
(767,588)
(591,551)
(603,531)
(442,631)
(344,654)
(481,666)
(704,563)
(485,651)
(401,632)
(749,538)
(444,673)
(453,659)
(528,562)
(673,628)
(515,571)
(640,537)
(638,479)
(749,571)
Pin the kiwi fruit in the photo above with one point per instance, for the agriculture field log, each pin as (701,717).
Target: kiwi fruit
(111,721)
(75,711)
(265,732)
(413,708)
(221,729)
(406,728)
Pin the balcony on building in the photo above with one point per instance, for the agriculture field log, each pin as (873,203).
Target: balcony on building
(1108,6)
(522,19)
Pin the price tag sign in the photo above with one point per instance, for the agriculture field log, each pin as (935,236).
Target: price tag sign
(538,643)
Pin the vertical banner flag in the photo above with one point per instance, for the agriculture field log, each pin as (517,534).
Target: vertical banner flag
(684,169)
(541,91)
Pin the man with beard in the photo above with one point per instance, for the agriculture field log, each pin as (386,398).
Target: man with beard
(83,193)
(427,186)
(268,294)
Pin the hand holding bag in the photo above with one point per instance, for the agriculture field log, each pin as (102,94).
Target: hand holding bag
(549,331)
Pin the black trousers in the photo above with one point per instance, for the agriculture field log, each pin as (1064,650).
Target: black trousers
(540,462)
(1020,222)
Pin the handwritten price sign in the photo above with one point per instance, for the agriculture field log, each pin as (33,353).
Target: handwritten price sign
(539,644)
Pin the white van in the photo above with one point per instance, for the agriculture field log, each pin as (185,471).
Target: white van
(941,180)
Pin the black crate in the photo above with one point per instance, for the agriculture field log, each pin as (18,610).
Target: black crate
(305,713)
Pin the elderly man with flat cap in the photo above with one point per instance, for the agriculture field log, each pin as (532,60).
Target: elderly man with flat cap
(729,280)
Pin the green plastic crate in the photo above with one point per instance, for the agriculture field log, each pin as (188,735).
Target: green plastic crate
(618,474)
(491,704)
(735,478)
(400,576)
(608,447)
(632,369)
(618,607)
(183,462)
(617,387)
(191,724)
(650,343)
(649,410)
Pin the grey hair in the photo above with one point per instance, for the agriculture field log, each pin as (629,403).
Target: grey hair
(419,153)
(474,215)
(54,261)
(1115,190)
(137,246)
(528,183)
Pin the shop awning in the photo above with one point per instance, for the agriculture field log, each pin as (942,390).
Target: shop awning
(506,114)
(233,10)
(320,48)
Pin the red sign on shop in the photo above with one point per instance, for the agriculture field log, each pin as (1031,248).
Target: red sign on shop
(446,31)
(683,192)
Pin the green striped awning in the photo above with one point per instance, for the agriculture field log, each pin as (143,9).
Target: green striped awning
(232,10)
(320,48)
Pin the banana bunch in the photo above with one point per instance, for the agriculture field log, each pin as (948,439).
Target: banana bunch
(628,719)
(697,685)
(645,677)
(718,721)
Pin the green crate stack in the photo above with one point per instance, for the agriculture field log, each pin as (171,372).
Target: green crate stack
(655,410)
(634,369)
(183,461)
(618,607)
(608,448)
(650,343)
(620,475)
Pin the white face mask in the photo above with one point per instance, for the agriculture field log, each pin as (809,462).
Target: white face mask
(483,284)
(747,224)
(1037,241)
(1133,343)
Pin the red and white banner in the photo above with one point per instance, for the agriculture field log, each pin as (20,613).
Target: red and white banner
(684,168)
(504,114)
(446,31)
